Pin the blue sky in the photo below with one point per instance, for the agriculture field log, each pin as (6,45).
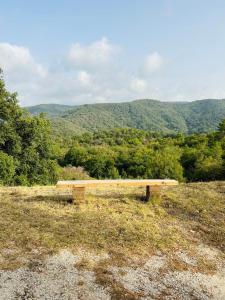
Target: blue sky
(75,52)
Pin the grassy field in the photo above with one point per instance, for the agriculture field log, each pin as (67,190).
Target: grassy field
(113,245)
(40,220)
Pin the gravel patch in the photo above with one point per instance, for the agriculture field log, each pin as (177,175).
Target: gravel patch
(209,252)
(153,282)
(185,258)
(142,280)
(56,278)
(188,285)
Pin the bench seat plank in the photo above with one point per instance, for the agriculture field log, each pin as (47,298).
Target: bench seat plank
(116,182)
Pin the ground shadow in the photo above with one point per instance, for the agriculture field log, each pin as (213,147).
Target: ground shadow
(62,199)
(122,197)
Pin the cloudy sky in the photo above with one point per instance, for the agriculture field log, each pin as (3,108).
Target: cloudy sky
(88,51)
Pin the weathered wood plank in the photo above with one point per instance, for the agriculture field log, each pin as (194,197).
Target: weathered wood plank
(116,182)
(78,194)
(153,191)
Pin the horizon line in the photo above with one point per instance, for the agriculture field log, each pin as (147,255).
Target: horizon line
(127,101)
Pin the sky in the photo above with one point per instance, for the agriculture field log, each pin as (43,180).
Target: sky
(94,51)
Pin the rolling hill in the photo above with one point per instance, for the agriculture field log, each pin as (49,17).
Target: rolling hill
(52,110)
(168,117)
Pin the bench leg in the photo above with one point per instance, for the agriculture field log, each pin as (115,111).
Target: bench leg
(78,194)
(152,191)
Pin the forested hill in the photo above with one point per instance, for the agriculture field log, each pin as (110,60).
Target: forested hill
(51,109)
(167,117)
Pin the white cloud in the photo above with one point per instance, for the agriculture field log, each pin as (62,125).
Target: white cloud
(138,85)
(84,78)
(17,61)
(95,75)
(96,54)
(153,62)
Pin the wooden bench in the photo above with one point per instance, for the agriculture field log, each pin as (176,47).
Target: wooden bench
(153,186)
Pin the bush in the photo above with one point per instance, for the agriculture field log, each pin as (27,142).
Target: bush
(76,156)
(7,168)
(73,173)
(166,164)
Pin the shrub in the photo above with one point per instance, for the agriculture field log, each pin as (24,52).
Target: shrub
(7,168)
(165,164)
(73,173)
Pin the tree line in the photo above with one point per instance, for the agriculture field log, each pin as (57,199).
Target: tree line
(132,153)
(29,154)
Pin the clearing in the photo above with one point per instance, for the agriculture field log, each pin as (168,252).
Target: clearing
(113,246)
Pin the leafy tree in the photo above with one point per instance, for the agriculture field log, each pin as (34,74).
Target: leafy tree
(7,168)
(134,162)
(101,163)
(203,162)
(189,159)
(166,164)
(208,169)
(76,156)
(27,140)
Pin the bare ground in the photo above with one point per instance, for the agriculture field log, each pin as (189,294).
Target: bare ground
(86,276)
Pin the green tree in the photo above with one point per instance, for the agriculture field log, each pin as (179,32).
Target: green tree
(7,168)
(165,163)
(76,156)
(208,169)
(101,163)
(189,159)
(27,140)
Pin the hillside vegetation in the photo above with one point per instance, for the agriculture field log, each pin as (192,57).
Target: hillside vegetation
(133,153)
(51,109)
(167,117)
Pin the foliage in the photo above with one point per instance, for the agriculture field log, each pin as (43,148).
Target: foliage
(133,153)
(76,156)
(7,168)
(165,164)
(26,141)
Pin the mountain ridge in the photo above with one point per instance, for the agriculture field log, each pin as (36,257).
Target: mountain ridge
(148,114)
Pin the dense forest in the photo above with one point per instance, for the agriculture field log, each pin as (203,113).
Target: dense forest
(132,153)
(200,116)
(30,154)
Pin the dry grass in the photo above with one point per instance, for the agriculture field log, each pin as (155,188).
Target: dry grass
(105,278)
(200,208)
(38,221)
